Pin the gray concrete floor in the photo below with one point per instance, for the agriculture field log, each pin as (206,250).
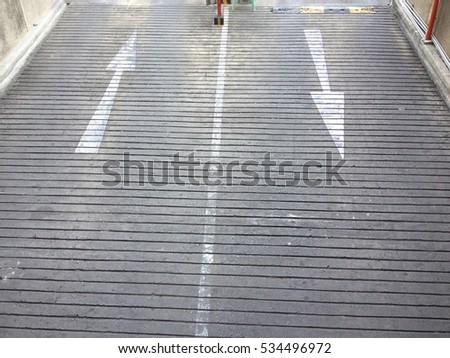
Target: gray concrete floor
(259,2)
(369,259)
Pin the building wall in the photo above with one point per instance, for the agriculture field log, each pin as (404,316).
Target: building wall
(17,17)
(442,25)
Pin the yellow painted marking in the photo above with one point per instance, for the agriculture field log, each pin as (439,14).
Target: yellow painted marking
(361,10)
(312,10)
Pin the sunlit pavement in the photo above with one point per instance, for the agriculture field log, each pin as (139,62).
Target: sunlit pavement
(366,256)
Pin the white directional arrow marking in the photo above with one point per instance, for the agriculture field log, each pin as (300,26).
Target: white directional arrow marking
(330,104)
(125,60)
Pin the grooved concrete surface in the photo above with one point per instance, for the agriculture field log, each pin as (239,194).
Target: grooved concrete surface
(81,259)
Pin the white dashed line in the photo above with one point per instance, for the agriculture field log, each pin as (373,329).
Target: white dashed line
(204,291)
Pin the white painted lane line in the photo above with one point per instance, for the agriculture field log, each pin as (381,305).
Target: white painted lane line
(331,105)
(204,291)
(125,60)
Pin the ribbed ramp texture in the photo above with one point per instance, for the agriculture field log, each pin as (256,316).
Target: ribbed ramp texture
(79,258)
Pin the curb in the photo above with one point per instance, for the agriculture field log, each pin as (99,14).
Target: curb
(428,54)
(12,66)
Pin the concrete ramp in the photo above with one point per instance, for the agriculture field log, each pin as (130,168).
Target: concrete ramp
(311,197)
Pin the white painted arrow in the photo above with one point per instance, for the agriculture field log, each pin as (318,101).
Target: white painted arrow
(125,60)
(330,104)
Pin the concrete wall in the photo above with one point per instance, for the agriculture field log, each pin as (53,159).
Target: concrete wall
(17,17)
(442,25)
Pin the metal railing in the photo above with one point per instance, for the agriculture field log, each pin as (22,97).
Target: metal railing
(422,27)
